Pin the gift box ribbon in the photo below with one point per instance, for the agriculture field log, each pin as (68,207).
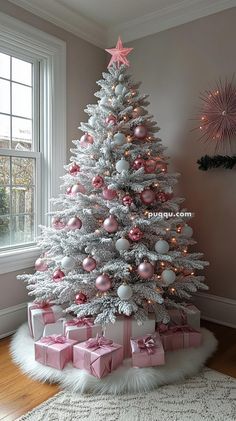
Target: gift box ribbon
(46,341)
(97,343)
(47,313)
(148,344)
(170,330)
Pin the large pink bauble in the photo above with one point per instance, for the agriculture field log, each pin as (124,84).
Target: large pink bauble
(147,196)
(41,265)
(85,140)
(109,194)
(58,275)
(111,119)
(97,181)
(127,200)
(140,131)
(145,270)
(74,169)
(57,223)
(103,282)
(77,188)
(68,190)
(150,166)
(110,224)
(89,264)
(135,234)
(138,163)
(80,298)
(74,223)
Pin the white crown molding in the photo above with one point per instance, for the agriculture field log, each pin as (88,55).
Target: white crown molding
(165,18)
(67,19)
(216,309)
(11,318)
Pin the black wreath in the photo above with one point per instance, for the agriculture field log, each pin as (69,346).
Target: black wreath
(206,162)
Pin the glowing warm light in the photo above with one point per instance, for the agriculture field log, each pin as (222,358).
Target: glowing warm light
(173,240)
(149,302)
(127,153)
(192,273)
(158,276)
(172,290)
(167,229)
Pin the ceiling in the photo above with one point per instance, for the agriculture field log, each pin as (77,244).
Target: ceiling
(101,21)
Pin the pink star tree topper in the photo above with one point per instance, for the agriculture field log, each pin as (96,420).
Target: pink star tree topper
(119,54)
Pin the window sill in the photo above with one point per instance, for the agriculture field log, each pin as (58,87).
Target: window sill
(11,261)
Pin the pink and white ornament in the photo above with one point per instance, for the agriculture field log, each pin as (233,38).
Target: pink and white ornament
(85,140)
(77,188)
(150,166)
(110,224)
(41,265)
(58,275)
(135,234)
(145,270)
(89,264)
(97,182)
(147,196)
(138,163)
(58,223)
(74,168)
(74,223)
(140,132)
(80,298)
(109,194)
(103,282)
(127,200)
(111,120)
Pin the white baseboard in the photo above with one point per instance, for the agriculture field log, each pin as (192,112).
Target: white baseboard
(11,318)
(216,309)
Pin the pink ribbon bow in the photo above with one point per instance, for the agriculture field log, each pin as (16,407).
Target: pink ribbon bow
(80,322)
(162,328)
(54,339)
(98,342)
(148,344)
(41,304)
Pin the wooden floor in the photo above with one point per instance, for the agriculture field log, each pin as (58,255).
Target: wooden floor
(19,394)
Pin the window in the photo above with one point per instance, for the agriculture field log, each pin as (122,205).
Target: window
(19,152)
(32,131)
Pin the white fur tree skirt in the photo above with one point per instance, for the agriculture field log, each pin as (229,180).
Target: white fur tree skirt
(126,379)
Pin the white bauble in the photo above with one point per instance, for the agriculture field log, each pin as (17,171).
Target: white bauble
(121,78)
(103,101)
(124,292)
(122,165)
(187,231)
(92,120)
(125,90)
(119,138)
(168,276)
(122,244)
(162,246)
(68,263)
(119,89)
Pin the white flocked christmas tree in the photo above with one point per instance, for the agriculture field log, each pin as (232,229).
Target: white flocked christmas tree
(116,244)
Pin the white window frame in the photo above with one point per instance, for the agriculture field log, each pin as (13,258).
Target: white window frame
(34,44)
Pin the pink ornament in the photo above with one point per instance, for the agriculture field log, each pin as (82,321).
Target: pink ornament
(68,190)
(110,224)
(140,132)
(74,169)
(111,120)
(41,265)
(127,200)
(85,140)
(147,196)
(97,182)
(58,275)
(74,223)
(103,282)
(150,166)
(57,223)
(137,112)
(109,194)
(80,298)
(77,188)
(162,197)
(138,163)
(89,264)
(146,270)
(135,234)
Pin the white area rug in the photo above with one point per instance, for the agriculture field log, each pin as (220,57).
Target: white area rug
(210,396)
(126,379)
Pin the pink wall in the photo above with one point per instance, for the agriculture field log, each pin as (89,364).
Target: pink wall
(174,66)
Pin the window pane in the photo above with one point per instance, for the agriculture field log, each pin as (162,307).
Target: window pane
(21,71)
(4,231)
(21,100)
(4,66)
(22,200)
(22,227)
(22,171)
(4,170)
(4,96)
(21,133)
(4,131)
(4,200)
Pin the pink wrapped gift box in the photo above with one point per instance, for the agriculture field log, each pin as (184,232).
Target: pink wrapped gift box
(54,351)
(99,356)
(40,314)
(81,329)
(147,351)
(190,316)
(125,328)
(177,337)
